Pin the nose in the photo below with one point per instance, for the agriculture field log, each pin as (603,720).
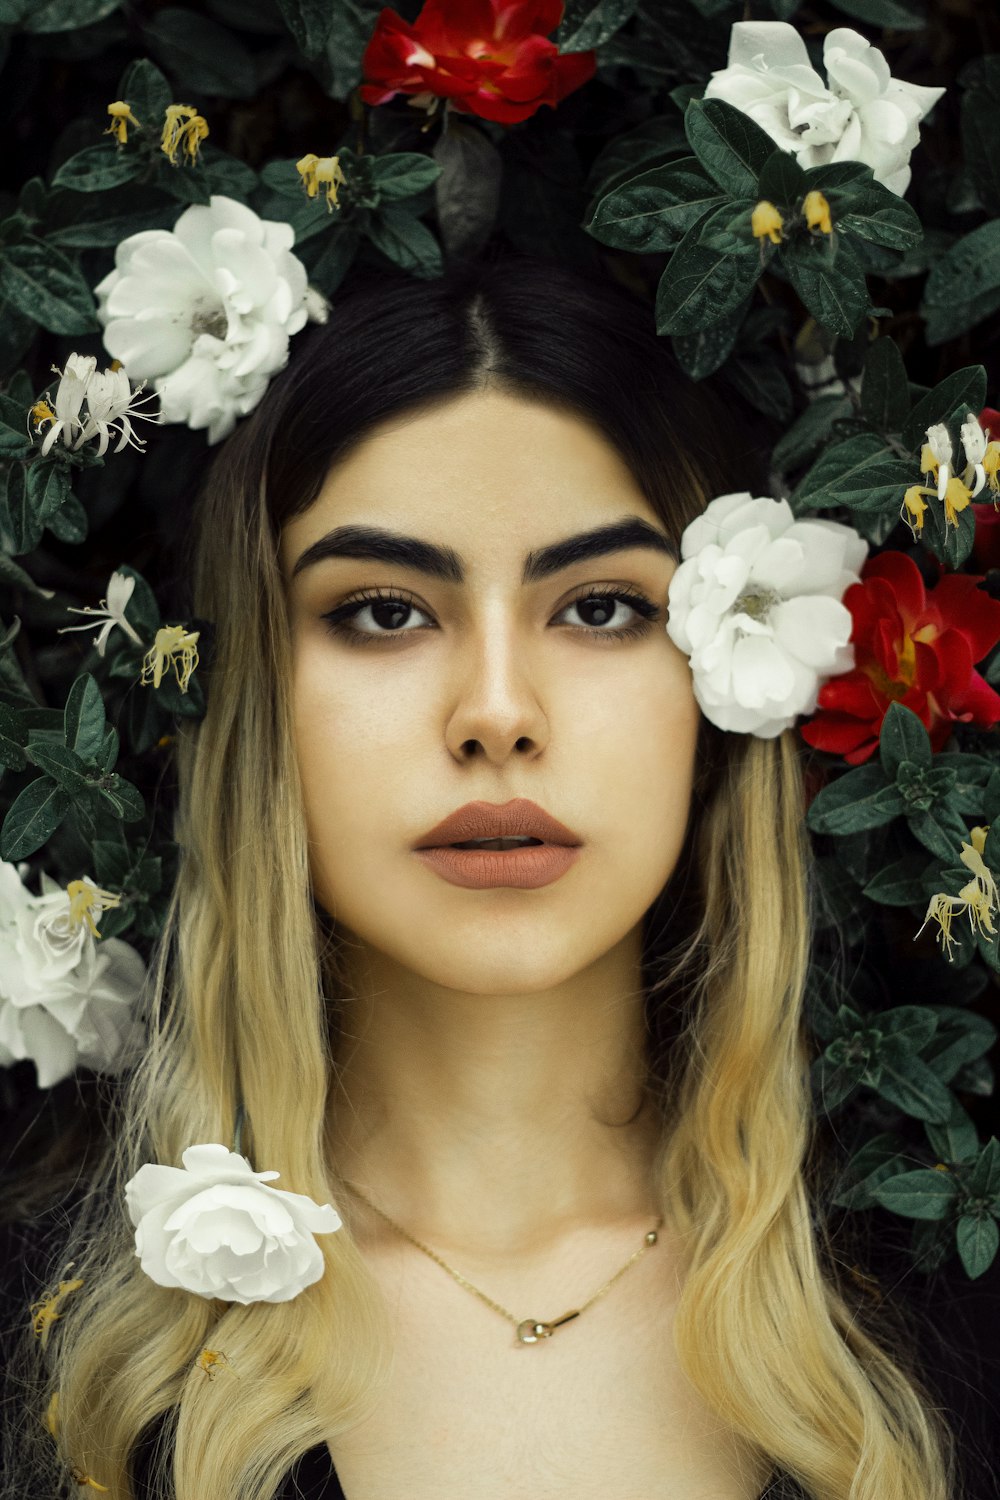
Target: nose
(498,699)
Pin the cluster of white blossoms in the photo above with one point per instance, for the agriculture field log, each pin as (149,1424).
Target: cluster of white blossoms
(110,405)
(861,113)
(756,604)
(66,1001)
(213,1228)
(205,310)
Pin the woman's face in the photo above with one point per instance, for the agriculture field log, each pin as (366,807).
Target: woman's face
(489,689)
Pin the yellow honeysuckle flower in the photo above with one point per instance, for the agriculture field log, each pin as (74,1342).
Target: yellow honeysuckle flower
(991,464)
(212,1361)
(913,507)
(121,118)
(172,643)
(322,169)
(766,220)
(979,897)
(956,498)
(817,212)
(45,1312)
(184,126)
(84,899)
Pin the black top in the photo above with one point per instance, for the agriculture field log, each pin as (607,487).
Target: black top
(957,1322)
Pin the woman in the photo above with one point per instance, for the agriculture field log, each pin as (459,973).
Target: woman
(522,1079)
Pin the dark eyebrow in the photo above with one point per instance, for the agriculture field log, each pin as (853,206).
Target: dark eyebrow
(444,563)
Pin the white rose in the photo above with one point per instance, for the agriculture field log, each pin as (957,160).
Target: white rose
(860,114)
(212,1228)
(756,605)
(205,310)
(65,1001)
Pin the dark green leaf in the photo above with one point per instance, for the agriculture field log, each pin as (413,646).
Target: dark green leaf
(14,438)
(877,1161)
(981,133)
(902,738)
(907,1081)
(842,183)
(966,280)
(829,280)
(859,472)
(977,1236)
(984,1179)
(710,274)
(147,92)
(203,55)
(406,241)
(954,1139)
(763,384)
(923,1194)
(98,168)
(403,174)
(700,354)
(589,23)
(901,15)
(857,799)
(648,145)
(940,830)
(48,487)
(16,516)
(84,717)
(468,170)
(731,146)
(309,21)
(899,884)
(352,23)
(328,269)
(782,181)
(882,218)
(654,210)
(33,817)
(62,764)
(67,15)
(885,396)
(39,277)
(810,428)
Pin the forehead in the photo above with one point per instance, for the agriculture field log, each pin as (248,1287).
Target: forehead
(488,470)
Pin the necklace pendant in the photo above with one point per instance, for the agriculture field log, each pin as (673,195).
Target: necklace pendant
(529,1332)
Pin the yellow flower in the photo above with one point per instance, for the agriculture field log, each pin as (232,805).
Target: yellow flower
(817,212)
(322,169)
(979,897)
(766,220)
(121,118)
(83,898)
(172,642)
(991,463)
(212,1361)
(913,507)
(46,1311)
(956,498)
(185,127)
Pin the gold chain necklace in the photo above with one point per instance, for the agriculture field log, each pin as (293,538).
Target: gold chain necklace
(529,1330)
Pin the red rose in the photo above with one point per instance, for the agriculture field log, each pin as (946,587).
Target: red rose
(489,57)
(914,645)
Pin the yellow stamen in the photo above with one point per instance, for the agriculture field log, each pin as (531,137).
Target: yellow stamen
(185,127)
(41,413)
(84,898)
(913,504)
(51,1417)
(979,897)
(212,1361)
(322,169)
(956,498)
(79,1477)
(817,212)
(46,1310)
(766,220)
(172,644)
(121,118)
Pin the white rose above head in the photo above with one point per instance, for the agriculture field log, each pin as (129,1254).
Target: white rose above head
(213,1228)
(756,604)
(205,311)
(861,113)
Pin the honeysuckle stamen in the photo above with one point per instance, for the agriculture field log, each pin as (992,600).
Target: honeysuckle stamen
(174,645)
(766,220)
(45,1311)
(817,212)
(121,118)
(979,897)
(315,170)
(183,127)
(120,588)
(85,899)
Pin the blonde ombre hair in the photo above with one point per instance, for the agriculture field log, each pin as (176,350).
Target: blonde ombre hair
(246,985)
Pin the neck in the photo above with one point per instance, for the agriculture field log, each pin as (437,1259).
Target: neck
(497,1121)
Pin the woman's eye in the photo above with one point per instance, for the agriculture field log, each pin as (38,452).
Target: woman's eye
(611,613)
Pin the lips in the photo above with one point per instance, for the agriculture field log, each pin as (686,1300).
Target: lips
(521,818)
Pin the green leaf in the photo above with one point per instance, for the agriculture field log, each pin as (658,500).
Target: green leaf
(203,55)
(876,1162)
(855,800)
(39,277)
(885,395)
(309,21)
(940,830)
(902,737)
(984,1179)
(468,171)
(654,210)
(829,280)
(898,884)
(842,183)
(124,799)
(965,387)
(882,218)
(14,439)
(701,353)
(68,15)
(710,274)
(16,577)
(406,241)
(810,428)
(84,717)
(763,384)
(17,518)
(907,1081)
(62,764)
(901,15)
(977,1236)
(922,1194)
(403,174)
(33,817)
(98,168)
(954,1139)
(647,145)
(147,92)
(782,181)
(860,472)
(966,280)
(589,23)
(981,131)
(48,487)
(352,23)
(731,146)
(328,269)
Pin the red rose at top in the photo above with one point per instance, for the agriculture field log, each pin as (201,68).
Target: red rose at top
(914,645)
(490,58)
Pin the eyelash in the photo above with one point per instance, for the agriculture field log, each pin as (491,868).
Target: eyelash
(337,619)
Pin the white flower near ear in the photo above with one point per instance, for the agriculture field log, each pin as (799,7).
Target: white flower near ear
(756,604)
(861,113)
(66,1001)
(205,310)
(213,1228)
